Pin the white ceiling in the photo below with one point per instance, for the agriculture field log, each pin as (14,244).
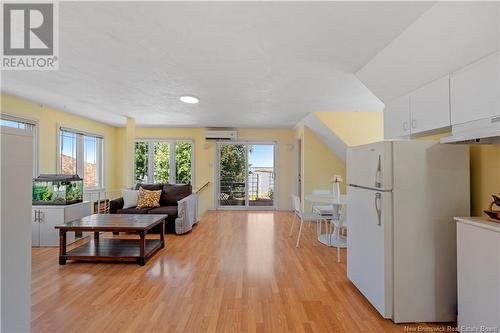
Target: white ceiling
(445,38)
(252,64)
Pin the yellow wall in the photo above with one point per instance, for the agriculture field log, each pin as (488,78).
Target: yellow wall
(355,128)
(128,155)
(320,164)
(484,173)
(485,176)
(204,158)
(48,120)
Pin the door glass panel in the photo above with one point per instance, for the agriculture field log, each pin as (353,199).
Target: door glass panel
(141,162)
(260,175)
(232,166)
(183,162)
(162,162)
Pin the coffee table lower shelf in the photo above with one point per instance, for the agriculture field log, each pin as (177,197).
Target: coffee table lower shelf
(113,250)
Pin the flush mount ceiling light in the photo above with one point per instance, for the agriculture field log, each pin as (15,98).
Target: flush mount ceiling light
(189,99)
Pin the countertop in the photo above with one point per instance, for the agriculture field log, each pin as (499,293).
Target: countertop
(480,222)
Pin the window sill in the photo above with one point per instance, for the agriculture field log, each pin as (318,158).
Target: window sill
(93,189)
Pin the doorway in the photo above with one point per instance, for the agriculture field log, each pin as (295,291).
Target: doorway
(246,175)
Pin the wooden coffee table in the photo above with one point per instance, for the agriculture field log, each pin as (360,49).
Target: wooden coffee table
(112,249)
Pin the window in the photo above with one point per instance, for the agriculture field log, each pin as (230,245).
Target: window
(82,154)
(25,124)
(163,161)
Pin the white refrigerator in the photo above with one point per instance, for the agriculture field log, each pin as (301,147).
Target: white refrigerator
(402,197)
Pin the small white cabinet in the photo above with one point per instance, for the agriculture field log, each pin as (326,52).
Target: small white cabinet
(467,95)
(478,270)
(430,106)
(397,118)
(44,218)
(475,91)
(423,110)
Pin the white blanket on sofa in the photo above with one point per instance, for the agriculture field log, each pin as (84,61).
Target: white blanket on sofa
(187,214)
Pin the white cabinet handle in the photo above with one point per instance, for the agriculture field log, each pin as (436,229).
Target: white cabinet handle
(405,126)
(414,123)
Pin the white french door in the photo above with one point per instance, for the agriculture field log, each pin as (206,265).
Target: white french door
(246,175)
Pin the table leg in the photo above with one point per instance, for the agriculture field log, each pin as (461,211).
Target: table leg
(62,247)
(142,255)
(162,234)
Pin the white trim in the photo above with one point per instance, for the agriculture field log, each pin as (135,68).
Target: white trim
(148,139)
(11,117)
(35,133)
(79,131)
(172,173)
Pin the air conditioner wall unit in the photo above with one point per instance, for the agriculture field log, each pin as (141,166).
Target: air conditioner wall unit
(215,135)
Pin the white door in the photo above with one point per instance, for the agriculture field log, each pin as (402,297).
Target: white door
(430,106)
(370,165)
(475,91)
(397,118)
(369,258)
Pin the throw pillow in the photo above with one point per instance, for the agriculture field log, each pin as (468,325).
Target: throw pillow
(148,199)
(129,198)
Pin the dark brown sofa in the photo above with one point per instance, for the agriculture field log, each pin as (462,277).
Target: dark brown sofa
(172,196)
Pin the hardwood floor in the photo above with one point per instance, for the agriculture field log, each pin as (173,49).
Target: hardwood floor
(235,272)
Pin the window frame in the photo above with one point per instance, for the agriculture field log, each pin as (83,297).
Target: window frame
(80,151)
(34,130)
(172,163)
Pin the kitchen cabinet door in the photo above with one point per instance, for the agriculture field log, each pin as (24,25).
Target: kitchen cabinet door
(49,236)
(475,91)
(430,106)
(397,118)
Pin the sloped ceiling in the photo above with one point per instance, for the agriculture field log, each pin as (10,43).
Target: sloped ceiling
(445,38)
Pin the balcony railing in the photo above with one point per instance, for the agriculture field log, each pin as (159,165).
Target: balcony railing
(260,190)
(100,199)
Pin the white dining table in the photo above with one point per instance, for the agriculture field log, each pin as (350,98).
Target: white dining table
(336,240)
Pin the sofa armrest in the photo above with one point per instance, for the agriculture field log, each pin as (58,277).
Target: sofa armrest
(115,204)
(187,214)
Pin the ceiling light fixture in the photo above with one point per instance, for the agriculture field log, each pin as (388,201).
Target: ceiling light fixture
(189,99)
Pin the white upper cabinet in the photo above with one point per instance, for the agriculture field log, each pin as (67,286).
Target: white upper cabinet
(475,91)
(397,118)
(430,106)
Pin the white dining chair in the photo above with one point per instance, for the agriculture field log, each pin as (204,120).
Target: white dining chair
(338,222)
(321,209)
(302,216)
(319,192)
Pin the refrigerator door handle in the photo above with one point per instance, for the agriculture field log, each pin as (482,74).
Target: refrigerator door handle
(378,199)
(378,173)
